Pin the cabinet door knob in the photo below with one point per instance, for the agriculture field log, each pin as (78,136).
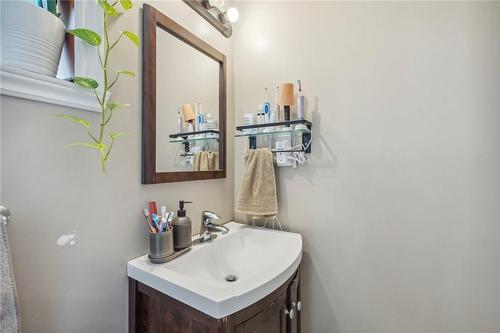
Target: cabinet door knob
(299,305)
(290,313)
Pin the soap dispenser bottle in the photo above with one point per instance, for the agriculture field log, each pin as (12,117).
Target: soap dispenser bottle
(182,228)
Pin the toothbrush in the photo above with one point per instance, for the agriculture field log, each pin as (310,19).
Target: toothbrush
(152,207)
(156,220)
(164,221)
(300,102)
(276,113)
(146,216)
(170,218)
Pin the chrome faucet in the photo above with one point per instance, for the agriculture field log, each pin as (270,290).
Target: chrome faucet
(208,226)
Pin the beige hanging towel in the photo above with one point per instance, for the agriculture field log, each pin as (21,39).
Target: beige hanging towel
(213,160)
(196,161)
(206,161)
(258,187)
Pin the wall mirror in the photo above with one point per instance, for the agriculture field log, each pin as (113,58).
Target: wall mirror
(184,104)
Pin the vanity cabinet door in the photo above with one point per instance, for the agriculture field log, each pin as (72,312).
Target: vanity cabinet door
(272,319)
(294,304)
(154,312)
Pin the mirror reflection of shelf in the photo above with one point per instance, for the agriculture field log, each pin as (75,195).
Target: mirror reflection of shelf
(297,126)
(194,136)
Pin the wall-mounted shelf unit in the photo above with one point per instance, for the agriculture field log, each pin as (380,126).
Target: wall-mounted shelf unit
(277,128)
(188,137)
(194,136)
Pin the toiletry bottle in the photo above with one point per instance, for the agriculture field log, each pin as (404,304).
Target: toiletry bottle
(266,108)
(260,117)
(200,118)
(300,102)
(179,121)
(182,228)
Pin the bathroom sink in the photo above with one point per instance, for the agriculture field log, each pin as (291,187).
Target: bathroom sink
(227,274)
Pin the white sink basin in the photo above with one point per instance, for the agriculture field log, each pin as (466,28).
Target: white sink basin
(262,260)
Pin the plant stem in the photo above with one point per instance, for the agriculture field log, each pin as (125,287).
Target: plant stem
(113,83)
(102,101)
(109,149)
(103,164)
(113,45)
(93,137)
(105,70)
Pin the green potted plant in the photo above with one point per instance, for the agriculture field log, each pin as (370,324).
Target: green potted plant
(32,36)
(100,137)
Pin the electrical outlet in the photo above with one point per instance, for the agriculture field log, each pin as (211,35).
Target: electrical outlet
(283,143)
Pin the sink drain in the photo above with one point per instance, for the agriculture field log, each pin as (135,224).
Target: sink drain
(231,278)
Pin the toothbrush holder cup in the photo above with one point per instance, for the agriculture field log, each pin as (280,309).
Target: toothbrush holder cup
(161,245)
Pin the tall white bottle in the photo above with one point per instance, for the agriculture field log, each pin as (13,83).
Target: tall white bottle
(300,102)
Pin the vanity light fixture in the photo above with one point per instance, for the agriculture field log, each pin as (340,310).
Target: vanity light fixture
(231,15)
(211,11)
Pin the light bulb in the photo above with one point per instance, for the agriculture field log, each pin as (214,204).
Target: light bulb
(216,3)
(233,14)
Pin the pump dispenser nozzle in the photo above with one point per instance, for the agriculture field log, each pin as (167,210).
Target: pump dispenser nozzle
(182,212)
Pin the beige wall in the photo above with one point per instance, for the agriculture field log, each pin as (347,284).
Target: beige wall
(53,190)
(399,206)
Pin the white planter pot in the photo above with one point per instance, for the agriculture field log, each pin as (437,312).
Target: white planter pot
(32,38)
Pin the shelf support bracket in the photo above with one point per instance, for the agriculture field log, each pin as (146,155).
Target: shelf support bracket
(252,141)
(306,138)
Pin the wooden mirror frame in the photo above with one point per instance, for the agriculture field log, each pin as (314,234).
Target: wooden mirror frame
(153,18)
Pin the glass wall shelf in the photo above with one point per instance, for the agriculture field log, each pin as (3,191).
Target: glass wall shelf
(286,123)
(194,136)
(298,126)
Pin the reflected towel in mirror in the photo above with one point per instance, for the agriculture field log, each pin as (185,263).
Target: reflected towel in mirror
(205,161)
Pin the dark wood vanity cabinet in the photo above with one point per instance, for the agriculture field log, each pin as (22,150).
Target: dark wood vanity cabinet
(151,311)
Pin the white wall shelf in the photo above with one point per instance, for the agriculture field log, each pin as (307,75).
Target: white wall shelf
(36,87)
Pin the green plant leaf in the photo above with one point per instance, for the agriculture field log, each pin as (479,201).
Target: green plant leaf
(126,4)
(110,10)
(133,37)
(116,105)
(129,73)
(98,146)
(89,36)
(116,135)
(85,82)
(80,121)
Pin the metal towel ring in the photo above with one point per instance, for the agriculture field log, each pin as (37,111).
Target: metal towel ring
(5,213)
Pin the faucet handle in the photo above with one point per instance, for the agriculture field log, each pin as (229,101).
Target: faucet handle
(208,217)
